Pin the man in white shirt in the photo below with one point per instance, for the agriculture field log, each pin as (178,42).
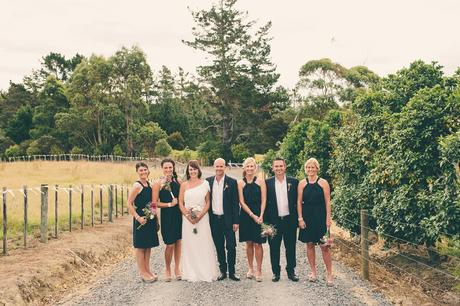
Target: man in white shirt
(281,212)
(224,218)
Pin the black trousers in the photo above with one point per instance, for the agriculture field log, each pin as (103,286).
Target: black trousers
(286,231)
(224,238)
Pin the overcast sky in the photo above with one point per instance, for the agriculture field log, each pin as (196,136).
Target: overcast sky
(384,35)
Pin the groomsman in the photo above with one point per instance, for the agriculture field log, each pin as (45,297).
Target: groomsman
(224,218)
(281,212)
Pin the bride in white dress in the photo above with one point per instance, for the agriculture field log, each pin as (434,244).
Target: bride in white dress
(199,261)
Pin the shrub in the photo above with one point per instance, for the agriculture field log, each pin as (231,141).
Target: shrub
(162,148)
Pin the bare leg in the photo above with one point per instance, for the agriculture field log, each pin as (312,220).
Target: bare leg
(140,260)
(311,259)
(259,251)
(327,262)
(250,256)
(147,253)
(168,258)
(177,255)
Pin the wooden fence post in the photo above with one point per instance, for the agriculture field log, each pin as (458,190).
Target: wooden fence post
(122,199)
(56,220)
(365,244)
(70,208)
(92,205)
(116,201)
(82,207)
(44,213)
(100,200)
(25,215)
(110,191)
(5,223)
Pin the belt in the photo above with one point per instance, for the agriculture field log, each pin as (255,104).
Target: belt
(284,217)
(218,216)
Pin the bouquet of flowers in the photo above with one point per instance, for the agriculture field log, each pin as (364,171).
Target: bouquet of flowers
(149,211)
(267,230)
(194,212)
(167,185)
(327,239)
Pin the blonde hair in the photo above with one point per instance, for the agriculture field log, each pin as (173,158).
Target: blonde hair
(248,161)
(313,161)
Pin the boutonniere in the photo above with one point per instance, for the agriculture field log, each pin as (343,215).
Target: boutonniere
(289,186)
(225,187)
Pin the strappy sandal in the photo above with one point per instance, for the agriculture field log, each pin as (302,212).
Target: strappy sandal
(249,275)
(312,279)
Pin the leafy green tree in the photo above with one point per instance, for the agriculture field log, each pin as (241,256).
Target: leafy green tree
(176,141)
(162,148)
(42,145)
(19,127)
(240,74)
(145,137)
(5,142)
(240,152)
(14,151)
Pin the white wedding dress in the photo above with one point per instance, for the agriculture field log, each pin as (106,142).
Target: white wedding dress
(199,261)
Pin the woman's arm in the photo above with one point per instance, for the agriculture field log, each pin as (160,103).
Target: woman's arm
(182,208)
(327,199)
(130,203)
(300,188)
(263,191)
(156,196)
(205,209)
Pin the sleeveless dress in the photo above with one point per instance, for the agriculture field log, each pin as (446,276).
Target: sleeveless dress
(171,217)
(146,236)
(250,230)
(313,213)
(199,261)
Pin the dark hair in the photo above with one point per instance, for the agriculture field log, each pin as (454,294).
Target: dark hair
(141,164)
(279,158)
(169,160)
(194,164)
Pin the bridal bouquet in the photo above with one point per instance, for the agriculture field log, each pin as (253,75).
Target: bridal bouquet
(327,239)
(194,212)
(167,185)
(149,211)
(267,230)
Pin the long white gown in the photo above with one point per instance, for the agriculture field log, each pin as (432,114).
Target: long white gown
(199,261)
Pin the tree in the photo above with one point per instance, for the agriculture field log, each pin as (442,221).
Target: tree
(239,73)
(43,145)
(130,80)
(19,127)
(176,141)
(162,148)
(146,137)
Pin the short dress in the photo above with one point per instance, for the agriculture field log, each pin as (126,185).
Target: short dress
(250,230)
(313,213)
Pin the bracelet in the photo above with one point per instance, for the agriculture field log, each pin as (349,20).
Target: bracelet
(300,219)
(169,204)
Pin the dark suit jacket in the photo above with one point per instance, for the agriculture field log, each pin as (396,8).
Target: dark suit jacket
(231,201)
(271,211)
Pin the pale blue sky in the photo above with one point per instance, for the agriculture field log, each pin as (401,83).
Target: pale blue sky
(383,35)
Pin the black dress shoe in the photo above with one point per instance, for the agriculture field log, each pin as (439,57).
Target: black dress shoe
(233,277)
(275,278)
(222,276)
(293,277)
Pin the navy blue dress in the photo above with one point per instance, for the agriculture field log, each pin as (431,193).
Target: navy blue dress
(146,236)
(171,217)
(249,229)
(313,213)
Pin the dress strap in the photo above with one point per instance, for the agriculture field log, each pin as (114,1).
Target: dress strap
(317,180)
(148,184)
(245,180)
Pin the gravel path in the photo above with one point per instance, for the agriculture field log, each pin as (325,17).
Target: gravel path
(123,287)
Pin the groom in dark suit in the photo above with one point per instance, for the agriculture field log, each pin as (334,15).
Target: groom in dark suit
(224,218)
(281,212)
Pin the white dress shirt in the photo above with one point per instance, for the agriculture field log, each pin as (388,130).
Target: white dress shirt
(218,196)
(282,197)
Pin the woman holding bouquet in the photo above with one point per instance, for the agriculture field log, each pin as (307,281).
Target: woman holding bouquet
(198,252)
(144,223)
(252,192)
(165,194)
(314,210)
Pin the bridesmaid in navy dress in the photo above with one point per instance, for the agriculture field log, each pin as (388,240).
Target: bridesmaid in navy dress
(253,194)
(144,237)
(314,209)
(165,194)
